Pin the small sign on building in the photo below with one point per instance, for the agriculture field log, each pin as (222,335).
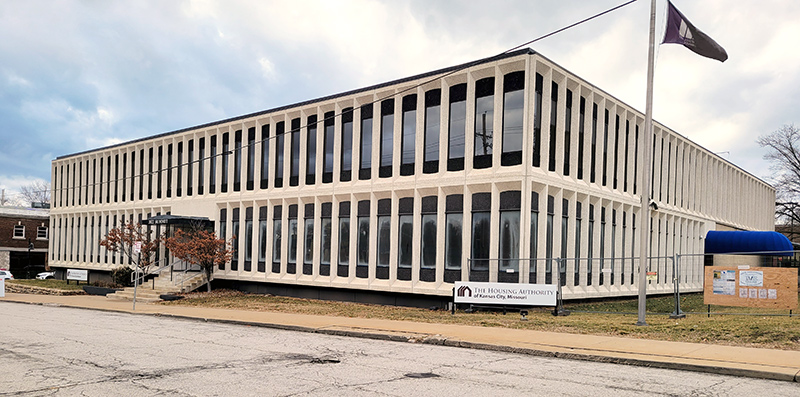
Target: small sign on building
(77,274)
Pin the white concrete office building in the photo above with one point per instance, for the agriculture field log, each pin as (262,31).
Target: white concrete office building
(395,191)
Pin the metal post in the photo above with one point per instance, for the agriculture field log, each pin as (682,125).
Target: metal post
(135,285)
(647,170)
(453,303)
(559,309)
(676,280)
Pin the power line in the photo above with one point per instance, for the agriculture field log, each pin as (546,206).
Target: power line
(332,117)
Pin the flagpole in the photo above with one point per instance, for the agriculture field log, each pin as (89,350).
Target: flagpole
(647,171)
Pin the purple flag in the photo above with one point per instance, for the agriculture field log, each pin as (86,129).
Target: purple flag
(680,31)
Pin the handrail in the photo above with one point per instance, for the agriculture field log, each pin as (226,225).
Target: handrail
(171,266)
(143,275)
(163,267)
(183,273)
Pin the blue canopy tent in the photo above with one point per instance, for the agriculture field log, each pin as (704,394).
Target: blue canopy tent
(746,242)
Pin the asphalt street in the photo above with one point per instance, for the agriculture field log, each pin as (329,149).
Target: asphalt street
(64,352)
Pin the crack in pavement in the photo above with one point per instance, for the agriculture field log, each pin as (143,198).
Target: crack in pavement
(138,377)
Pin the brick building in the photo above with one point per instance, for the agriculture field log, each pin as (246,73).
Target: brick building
(24,237)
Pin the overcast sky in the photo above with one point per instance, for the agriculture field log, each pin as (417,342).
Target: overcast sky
(78,75)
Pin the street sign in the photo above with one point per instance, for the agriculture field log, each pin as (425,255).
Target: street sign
(137,247)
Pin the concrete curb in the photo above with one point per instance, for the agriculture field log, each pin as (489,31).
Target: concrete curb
(719,370)
(409,337)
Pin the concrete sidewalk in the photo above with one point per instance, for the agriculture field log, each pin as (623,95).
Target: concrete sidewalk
(728,360)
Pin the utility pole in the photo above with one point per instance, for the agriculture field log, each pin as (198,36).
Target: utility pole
(484,137)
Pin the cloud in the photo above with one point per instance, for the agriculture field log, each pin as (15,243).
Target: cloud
(268,69)
(14,80)
(79,75)
(11,185)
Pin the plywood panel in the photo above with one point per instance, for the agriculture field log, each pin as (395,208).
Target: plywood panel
(763,287)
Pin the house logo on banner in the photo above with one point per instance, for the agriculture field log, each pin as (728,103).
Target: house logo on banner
(464,291)
(506,294)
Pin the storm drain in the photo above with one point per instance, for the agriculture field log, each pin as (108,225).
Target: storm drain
(421,375)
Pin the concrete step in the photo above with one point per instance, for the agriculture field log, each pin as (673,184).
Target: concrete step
(151,291)
(162,284)
(190,283)
(143,293)
(138,298)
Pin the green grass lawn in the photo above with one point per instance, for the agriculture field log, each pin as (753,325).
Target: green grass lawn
(610,317)
(690,303)
(53,284)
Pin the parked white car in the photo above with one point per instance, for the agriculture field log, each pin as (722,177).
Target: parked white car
(46,275)
(6,275)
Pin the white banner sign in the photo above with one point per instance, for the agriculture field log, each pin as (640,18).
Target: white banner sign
(75,274)
(505,294)
(2,287)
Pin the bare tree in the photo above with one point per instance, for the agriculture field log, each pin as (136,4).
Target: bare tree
(783,152)
(127,237)
(37,191)
(5,199)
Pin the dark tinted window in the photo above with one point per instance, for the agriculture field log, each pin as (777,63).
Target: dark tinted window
(456,126)
(387,137)
(513,110)
(328,140)
(264,156)
(294,160)
(537,121)
(251,157)
(484,122)
(407,142)
(553,121)
(365,153)
(279,137)
(347,144)
(311,149)
(433,99)
(237,162)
